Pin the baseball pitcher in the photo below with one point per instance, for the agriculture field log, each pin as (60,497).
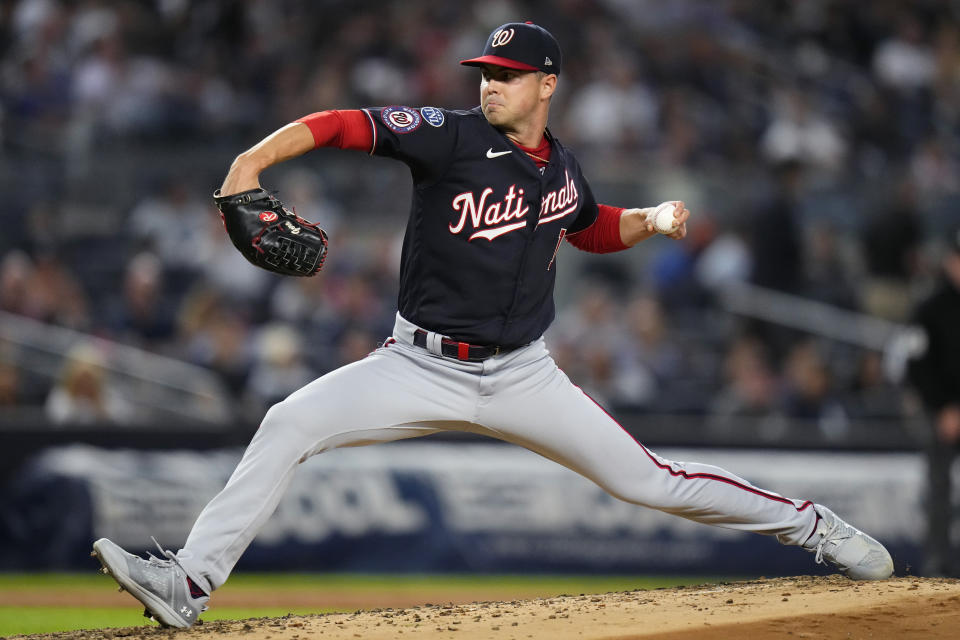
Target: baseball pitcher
(495,196)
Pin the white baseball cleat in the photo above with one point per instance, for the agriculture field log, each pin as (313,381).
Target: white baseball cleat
(857,555)
(169,595)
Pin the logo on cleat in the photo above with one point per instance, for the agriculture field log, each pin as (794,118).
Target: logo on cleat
(186,612)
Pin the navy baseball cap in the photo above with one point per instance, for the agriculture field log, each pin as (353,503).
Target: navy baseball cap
(520,45)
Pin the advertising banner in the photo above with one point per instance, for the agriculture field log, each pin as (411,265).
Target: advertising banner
(433,507)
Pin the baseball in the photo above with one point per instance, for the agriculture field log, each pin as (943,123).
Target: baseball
(663,220)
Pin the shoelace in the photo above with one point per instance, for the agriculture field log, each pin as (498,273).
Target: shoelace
(832,535)
(171,559)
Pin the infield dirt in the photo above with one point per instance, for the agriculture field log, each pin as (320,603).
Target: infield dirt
(800,607)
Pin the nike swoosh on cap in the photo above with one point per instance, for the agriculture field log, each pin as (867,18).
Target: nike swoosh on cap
(493,154)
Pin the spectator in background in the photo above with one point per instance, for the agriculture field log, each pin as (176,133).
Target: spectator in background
(871,394)
(905,67)
(934,169)
(9,384)
(615,108)
(775,238)
(278,368)
(35,70)
(143,316)
(224,268)
(170,224)
(681,140)
(352,302)
(725,261)
(297,300)
(830,267)
(674,272)
(808,391)
(368,264)
(799,134)
(947,81)
(587,340)
(15,272)
(121,94)
(891,241)
(57,294)
(306,188)
(218,337)
(355,345)
(42,289)
(935,374)
(83,394)
(656,359)
(905,62)
(20,388)
(749,388)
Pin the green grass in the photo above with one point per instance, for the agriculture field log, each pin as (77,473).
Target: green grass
(26,620)
(45,619)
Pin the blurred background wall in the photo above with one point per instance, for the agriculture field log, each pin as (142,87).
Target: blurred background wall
(816,143)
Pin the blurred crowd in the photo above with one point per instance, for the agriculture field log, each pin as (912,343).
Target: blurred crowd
(815,141)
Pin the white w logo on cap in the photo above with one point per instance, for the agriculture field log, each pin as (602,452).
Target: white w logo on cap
(502,37)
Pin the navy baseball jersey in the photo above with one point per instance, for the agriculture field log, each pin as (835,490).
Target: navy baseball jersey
(485,224)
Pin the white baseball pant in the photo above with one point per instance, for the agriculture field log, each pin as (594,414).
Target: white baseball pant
(403,391)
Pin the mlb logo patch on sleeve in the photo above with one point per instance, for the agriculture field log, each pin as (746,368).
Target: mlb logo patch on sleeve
(401,119)
(433,116)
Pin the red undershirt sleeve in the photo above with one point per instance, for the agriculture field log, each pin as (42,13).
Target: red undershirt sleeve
(346,129)
(603,236)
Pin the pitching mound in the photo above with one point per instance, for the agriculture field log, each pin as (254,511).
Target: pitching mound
(801,607)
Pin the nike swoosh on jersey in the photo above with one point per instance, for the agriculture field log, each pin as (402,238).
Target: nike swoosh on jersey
(495,154)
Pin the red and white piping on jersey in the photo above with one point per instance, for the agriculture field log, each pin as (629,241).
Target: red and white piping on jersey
(556,249)
(373,127)
(706,476)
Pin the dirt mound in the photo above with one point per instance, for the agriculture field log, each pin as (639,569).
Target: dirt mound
(802,607)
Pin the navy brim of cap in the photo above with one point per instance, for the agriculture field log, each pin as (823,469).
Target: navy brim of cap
(500,62)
